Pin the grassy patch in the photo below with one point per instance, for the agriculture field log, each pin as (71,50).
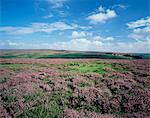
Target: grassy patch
(61,96)
(85,55)
(94,67)
(32,97)
(57,101)
(52,110)
(15,65)
(120,67)
(88,67)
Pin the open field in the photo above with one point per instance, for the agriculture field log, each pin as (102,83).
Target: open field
(73,88)
(70,54)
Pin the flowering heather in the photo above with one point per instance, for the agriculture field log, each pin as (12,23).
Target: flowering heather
(70,113)
(74,88)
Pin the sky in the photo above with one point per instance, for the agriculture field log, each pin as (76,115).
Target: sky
(84,25)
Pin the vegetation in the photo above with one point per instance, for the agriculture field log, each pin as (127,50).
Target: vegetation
(84,88)
(74,55)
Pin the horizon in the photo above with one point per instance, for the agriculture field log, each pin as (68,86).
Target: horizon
(71,51)
(77,25)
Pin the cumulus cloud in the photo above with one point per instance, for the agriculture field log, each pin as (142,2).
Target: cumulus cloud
(80,44)
(84,44)
(91,36)
(40,27)
(57,3)
(139,23)
(102,15)
(100,38)
(36,27)
(8,44)
(76,26)
(81,34)
(101,9)
(140,29)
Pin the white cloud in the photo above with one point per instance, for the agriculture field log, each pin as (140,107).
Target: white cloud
(140,29)
(100,38)
(81,34)
(11,44)
(40,27)
(102,16)
(76,26)
(37,27)
(16,30)
(139,23)
(84,44)
(76,44)
(89,35)
(122,6)
(101,9)
(48,16)
(57,3)
(96,45)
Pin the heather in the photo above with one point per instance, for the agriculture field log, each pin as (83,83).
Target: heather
(74,88)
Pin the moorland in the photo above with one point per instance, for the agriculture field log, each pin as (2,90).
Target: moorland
(72,84)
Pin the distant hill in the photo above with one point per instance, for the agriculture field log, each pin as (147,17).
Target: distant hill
(70,54)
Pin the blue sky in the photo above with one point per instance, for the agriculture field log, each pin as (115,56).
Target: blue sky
(93,25)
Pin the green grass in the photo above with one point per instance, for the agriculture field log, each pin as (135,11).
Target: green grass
(66,55)
(94,67)
(41,111)
(88,67)
(85,55)
(33,55)
(33,96)
(21,66)
(14,65)
(57,101)
(61,95)
(62,54)
(17,67)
